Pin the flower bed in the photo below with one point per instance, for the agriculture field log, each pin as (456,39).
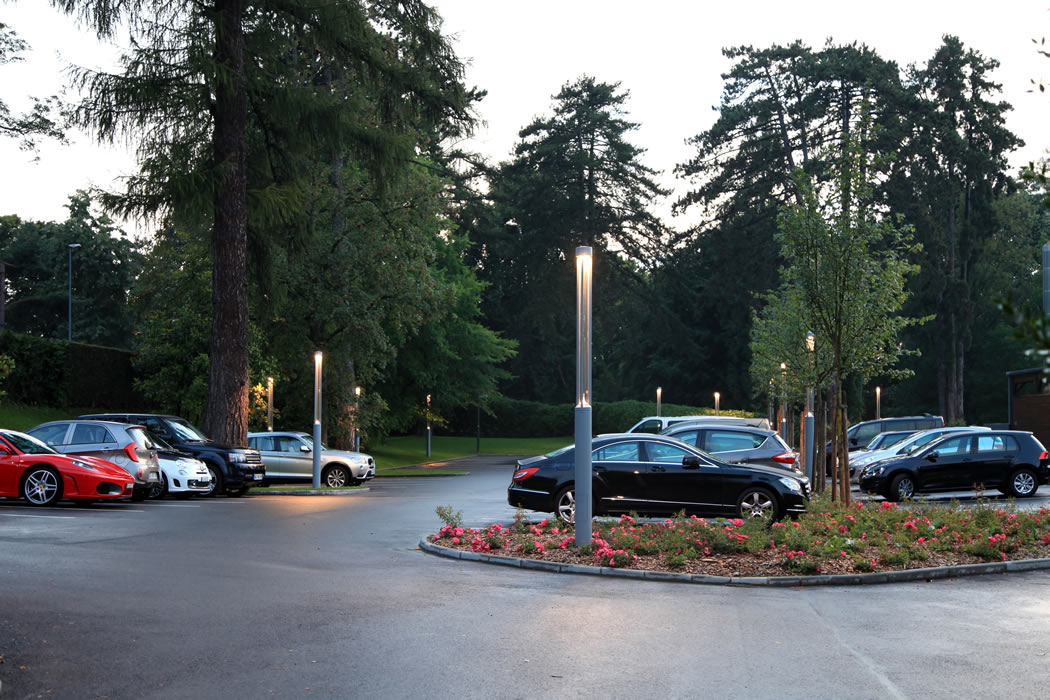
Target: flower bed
(829,539)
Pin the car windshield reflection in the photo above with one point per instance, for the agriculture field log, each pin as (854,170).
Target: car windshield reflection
(29,444)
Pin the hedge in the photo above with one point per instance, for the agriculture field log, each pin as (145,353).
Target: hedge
(61,374)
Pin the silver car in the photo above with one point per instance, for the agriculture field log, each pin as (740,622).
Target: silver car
(288,456)
(127,446)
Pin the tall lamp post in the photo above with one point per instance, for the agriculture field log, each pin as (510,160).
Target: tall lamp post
(318,359)
(583,397)
(717,397)
(355,436)
(69,334)
(428,425)
(811,344)
(783,401)
(269,403)
(659,395)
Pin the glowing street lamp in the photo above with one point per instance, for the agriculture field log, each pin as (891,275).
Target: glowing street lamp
(783,401)
(355,438)
(717,397)
(878,403)
(269,403)
(583,397)
(659,395)
(318,359)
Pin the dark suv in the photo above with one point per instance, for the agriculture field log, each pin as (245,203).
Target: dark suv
(860,434)
(233,469)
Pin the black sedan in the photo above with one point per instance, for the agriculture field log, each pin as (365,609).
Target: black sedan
(1013,461)
(656,475)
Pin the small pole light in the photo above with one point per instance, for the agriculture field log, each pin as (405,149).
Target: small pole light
(717,397)
(269,403)
(659,395)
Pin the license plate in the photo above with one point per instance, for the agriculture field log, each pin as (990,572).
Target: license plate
(153,477)
(257,477)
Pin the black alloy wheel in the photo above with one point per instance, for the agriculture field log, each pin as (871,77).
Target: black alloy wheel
(159,488)
(216,480)
(901,488)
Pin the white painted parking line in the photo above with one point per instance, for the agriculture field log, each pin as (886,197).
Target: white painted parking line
(19,515)
(173,505)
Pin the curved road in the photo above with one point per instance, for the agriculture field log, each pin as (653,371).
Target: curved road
(293,597)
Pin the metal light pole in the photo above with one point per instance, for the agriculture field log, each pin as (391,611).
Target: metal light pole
(428,425)
(659,396)
(318,358)
(811,344)
(269,403)
(69,334)
(355,437)
(717,397)
(583,397)
(783,402)
(878,403)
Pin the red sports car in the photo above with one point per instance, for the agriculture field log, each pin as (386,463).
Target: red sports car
(30,469)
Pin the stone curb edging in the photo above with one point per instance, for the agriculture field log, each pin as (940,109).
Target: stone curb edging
(306,492)
(790,581)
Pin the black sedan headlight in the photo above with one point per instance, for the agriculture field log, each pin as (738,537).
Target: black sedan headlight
(793,485)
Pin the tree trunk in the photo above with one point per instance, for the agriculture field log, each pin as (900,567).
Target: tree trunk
(226,411)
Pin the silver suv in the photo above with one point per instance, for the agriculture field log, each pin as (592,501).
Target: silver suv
(127,446)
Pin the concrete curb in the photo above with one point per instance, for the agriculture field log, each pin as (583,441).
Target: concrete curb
(999,567)
(306,492)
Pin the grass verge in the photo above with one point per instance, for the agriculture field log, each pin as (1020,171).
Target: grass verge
(407,456)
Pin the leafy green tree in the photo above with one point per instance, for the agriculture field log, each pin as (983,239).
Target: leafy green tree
(37,265)
(950,173)
(237,101)
(781,108)
(40,120)
(575,180)
(846,266)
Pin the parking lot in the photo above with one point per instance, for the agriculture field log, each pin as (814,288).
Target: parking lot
(287,596)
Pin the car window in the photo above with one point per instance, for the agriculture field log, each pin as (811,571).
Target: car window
(141,438)
(185,431)
(288,444)
(28,444)
(263,444)
(687,436)
(996,443)
(51,434)
(620,452)
(649,426)
(726,441)
(866,432)
(775,441)
(156,425)
(954,446)
(88,434)
(903,425)
(665,454)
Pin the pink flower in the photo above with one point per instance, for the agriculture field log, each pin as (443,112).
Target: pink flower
(455,540)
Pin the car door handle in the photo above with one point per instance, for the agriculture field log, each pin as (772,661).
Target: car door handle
(658,468)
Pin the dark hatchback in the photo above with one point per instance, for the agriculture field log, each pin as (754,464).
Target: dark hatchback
(740,444)
(656,475)
(1013,461)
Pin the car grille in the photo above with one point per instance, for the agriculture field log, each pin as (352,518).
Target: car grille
(253,457)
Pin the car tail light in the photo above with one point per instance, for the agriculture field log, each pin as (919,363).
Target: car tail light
(786,458)
(524,473)
(133,454)
(1044,456)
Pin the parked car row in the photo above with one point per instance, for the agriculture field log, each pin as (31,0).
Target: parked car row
(154,455)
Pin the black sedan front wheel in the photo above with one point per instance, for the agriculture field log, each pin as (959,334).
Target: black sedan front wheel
(757,502)
(901,488)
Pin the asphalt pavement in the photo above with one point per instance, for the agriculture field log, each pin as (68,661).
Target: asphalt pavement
(328,596)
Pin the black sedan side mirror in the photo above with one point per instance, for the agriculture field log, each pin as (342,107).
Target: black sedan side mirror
(691,462)
(932,457)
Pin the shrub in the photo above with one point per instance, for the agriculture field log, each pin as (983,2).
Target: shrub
(450,517)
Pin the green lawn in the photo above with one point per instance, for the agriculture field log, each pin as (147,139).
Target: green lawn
(16,417)
(394,454)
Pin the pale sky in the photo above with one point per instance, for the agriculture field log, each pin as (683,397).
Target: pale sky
(666,53)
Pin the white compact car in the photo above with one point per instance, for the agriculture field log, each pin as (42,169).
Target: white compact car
(182,474)
(288,456)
